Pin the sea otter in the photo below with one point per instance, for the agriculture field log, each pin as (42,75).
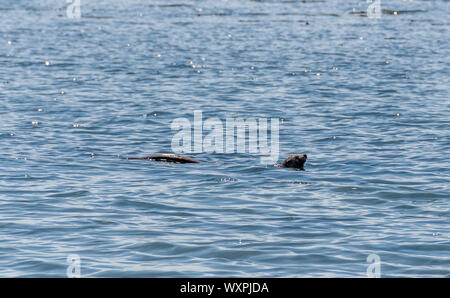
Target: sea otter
(294,161)
(168,157)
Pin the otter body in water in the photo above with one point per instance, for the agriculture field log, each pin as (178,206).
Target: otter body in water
(168,158)
(294,161)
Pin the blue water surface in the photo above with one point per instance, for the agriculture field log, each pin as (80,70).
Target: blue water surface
(366,98)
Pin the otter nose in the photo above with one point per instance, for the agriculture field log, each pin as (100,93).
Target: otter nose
(306,156)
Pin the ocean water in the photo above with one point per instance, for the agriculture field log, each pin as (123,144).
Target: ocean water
(79,94)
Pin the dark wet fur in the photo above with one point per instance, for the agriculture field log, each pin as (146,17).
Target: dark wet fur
(296,161)
(168,158)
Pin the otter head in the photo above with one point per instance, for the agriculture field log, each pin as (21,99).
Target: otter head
(295,161)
